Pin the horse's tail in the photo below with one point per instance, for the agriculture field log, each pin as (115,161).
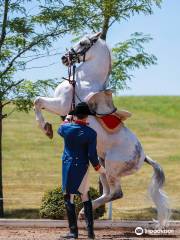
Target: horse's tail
(158,196)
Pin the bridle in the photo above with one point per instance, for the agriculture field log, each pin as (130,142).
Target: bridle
(73,57)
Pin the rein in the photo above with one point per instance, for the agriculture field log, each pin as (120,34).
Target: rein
(72,70)
(73,56)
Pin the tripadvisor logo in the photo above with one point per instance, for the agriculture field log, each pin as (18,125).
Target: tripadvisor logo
(139,231)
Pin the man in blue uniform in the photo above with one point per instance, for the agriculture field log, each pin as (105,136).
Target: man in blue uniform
(79,149)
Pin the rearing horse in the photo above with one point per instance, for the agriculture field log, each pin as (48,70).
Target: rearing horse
(121,152)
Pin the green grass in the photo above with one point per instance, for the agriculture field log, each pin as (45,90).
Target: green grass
(31,162)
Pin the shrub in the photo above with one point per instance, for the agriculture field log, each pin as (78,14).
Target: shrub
(53,204)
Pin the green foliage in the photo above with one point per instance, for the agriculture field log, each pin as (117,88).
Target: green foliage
(53,204)
(27,29)
(26,91)
(128,56)
(97,15)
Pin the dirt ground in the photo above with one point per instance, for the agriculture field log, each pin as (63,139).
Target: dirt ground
(12,233)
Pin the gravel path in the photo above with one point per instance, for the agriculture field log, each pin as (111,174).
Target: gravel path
(12,233)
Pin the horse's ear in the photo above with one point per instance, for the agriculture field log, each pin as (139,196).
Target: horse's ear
(95,36)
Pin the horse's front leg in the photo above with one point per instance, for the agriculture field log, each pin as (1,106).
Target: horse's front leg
(52,105)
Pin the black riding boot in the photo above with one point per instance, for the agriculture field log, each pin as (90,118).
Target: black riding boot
(88,213)
(72,220)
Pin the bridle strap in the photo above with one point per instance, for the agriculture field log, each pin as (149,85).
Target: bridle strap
(75,55)
(74,85)
(84,57)
(71,71)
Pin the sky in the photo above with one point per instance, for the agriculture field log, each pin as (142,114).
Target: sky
(161,79)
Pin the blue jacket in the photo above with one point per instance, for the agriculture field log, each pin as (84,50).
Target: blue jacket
(79,149)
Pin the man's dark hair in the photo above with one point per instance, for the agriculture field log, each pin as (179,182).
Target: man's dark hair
(81,116)
(63,118)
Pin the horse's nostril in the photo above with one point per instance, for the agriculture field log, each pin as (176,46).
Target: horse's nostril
(63,58)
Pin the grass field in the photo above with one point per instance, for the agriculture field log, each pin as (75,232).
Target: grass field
(31,162)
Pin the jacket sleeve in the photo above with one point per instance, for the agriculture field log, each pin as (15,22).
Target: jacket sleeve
(92,152)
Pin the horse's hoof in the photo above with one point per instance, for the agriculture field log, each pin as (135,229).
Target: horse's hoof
(48,130)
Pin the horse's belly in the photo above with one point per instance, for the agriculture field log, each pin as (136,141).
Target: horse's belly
(124,140)
(127,150)
(122,147)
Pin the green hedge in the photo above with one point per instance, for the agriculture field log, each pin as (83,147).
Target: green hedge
(52,206)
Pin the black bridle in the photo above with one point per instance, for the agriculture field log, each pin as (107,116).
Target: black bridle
(74,56)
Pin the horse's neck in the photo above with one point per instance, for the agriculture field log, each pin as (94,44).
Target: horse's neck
(91,76)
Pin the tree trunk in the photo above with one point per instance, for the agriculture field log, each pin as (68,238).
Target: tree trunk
(105,28)
(4,23)
(1,183)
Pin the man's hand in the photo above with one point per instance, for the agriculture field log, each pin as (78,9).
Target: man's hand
(100,169)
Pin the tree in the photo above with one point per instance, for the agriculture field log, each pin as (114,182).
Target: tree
(27,29)
(100,15)
(127,56)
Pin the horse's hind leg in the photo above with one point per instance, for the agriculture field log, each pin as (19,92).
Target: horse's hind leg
(106,191)
(111,187)
(101,200)
(115,192)
(115,188)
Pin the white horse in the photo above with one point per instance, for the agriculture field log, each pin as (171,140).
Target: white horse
(121,153)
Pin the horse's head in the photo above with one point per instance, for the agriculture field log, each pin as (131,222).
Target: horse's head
(81,51)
